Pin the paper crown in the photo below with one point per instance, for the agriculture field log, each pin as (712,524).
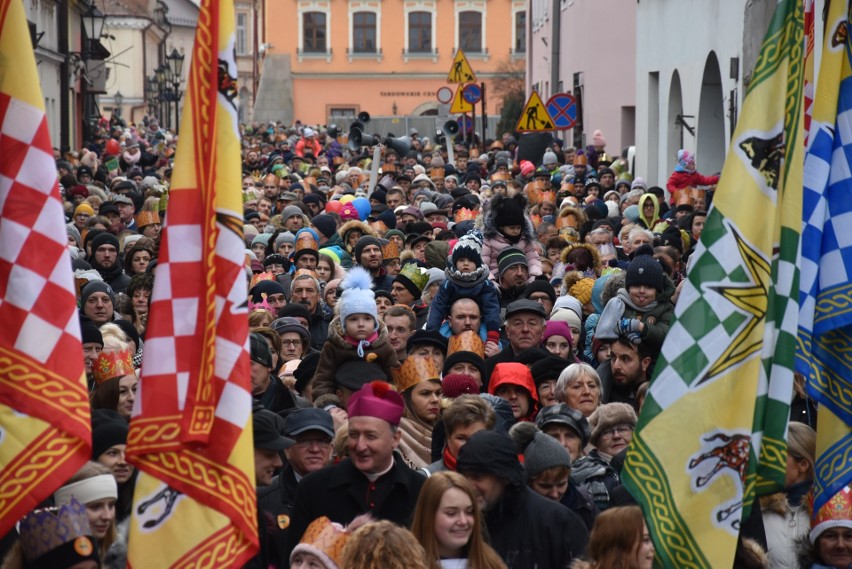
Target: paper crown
(388,168)
(261,277)
(305,272)
(468,341)
(437,172)
(309,180)
(144,218)
(113,364)
(390,250)
(415,369)
(464,214)
(837,512)
(42,532)
(501,176)
(419,277)
(325,537)
(306,241)
(378,226)
(567,218)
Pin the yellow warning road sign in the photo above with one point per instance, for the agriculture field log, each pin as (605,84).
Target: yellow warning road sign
(461,72)
(460,105)
(535,117)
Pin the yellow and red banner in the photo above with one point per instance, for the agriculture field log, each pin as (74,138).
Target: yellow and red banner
(45,430)
(190,433)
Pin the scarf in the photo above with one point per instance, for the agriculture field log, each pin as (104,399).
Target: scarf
(416,441)
(614,311)
(449,459)
(131,158)
(360,345)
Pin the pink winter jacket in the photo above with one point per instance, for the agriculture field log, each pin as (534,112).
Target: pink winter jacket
(493,246)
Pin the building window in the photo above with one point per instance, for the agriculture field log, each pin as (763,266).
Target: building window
(242,43)
(470,32)
(520,32)
(364,32)
(420,32)
(313,27)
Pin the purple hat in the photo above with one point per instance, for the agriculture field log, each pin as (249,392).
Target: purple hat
(377,399)
(557,328)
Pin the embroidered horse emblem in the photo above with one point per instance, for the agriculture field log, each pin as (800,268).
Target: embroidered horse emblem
(722,454)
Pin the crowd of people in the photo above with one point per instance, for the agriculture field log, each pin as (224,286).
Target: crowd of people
(447,366)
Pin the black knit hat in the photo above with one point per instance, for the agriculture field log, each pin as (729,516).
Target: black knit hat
(468,247)
(295,310)
(644,270)
(96,286)
(90,332)
(265,287)
(491,452)
(361,244)
(104,238)
(540,285)
(429,338)
(464,357)
(562,414)
(325,224)
(548,369)
(108,429)
(509,210)
(509,257)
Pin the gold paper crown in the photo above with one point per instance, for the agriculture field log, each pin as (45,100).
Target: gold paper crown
(308,272)
(327,537)
(261,277)
(503,176)
(415,274)
(437,172)
(306,241)
(548,196)
(113,364)
(468,341)
(388,168)
(464,214)
(379,227)
(414,369)
(144,218)
(43,531)
(390,250)
(309,180)
(535,191)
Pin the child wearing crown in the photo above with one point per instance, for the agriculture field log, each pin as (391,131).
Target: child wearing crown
(467,277)
(354,333)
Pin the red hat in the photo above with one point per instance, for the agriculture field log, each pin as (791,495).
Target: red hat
(377,399)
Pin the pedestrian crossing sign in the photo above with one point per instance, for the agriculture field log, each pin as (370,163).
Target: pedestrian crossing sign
(534,117)
(461,71)
(460,104)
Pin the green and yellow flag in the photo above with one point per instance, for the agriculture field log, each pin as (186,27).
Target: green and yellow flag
(724,379)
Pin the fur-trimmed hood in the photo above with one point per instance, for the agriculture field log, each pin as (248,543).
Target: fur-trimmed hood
(486,222)
(335,335)
(596,256)
(349,226)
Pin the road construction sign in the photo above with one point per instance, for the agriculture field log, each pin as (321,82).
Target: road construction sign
(460,104)
(534,117)
(461,72)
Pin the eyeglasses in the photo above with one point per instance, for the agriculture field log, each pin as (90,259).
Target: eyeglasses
(620,430)
(291,343)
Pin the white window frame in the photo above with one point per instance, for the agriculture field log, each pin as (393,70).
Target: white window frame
(431,7)
(246,30)
(473,6)
(365,6)
(323,6)
(518,7)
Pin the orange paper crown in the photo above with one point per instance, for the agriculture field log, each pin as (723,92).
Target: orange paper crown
(467,342)
(306,241)
(390,250)
(414,370)
(327,537)
(261,277)
(308,272)
(501,176)
(144,218)
(436,172)
(464,214)
(113,364)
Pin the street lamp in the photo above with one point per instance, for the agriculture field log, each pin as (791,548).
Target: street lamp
(119,99)
(160,77)
(175,61)
(93,23)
